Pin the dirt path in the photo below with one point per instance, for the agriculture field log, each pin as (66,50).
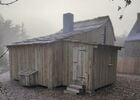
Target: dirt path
(5,77)
(127,87)
(3,69)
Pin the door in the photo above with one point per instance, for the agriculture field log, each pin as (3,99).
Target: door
(79,62)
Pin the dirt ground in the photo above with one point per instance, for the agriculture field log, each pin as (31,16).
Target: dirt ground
(3,68)
(127,87)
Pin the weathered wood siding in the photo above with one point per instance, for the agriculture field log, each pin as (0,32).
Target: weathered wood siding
(31,57)
(110,36)
(57,64)
(68,63)
(54,63)
(97,35)
(100,65)
(105,66)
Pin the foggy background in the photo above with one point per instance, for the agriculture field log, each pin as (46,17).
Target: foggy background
(32,18)
(42,17)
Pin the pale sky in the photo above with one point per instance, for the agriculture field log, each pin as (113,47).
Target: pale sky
(42,17)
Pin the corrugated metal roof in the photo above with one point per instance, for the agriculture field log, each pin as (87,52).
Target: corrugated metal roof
(79,27)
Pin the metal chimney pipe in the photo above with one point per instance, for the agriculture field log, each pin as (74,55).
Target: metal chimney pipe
(68,22)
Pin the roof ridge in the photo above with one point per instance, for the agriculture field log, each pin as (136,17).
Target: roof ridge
(135,29)
(107,17)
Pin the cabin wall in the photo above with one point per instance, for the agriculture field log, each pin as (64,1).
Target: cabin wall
(106,64)
(62,63)
(90,37)
(31,57)
(96,36)
(110,38)
(68,63)
(57,64)
(12,60)
(54,63)
(100,69)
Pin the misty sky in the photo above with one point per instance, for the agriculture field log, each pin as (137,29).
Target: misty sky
(42,17)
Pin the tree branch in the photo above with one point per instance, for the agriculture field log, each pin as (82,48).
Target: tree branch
(1,3)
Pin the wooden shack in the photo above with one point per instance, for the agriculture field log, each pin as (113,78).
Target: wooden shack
(82,56)
(129,61)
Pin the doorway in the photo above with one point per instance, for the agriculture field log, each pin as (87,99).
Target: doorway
(79,64)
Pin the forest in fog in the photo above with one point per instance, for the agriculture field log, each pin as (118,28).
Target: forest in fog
(9,33)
